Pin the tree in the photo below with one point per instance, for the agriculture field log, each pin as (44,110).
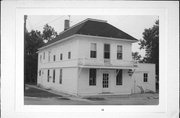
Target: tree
(150,43)
(31,44)
(32,41)
(136,56)
(48,33)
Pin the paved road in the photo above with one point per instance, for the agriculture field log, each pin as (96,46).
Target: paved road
(64,99)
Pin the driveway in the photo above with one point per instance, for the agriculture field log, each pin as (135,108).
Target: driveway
(39,96)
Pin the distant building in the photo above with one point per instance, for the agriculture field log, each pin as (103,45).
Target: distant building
(90,58)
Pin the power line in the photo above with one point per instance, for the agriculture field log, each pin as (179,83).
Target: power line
(49,22)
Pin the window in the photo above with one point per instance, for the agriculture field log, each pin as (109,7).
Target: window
(107,51)
(44,55)
(119,77)
(54,57)
(93,50)
(92,77)
(145,77)
(69,55)
(119,52)
(40,58)
(60,76)
(39,72)
(48,76)
(54,76)
(49,54)
(61,56)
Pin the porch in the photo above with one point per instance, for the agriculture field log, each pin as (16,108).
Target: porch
(106,82)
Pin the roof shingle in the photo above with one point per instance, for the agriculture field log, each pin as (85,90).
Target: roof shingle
(93,28)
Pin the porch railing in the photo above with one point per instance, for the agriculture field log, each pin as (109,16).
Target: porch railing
(105,62)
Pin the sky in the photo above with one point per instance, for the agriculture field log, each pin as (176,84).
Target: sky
(132,24)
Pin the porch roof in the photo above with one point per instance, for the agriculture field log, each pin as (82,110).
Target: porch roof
(109,67)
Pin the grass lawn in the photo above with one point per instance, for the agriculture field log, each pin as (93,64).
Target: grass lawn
(33,92)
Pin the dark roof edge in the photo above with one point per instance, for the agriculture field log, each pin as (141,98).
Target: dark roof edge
(41,48)
(81,23)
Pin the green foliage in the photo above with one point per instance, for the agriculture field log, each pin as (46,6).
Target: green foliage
(150,43)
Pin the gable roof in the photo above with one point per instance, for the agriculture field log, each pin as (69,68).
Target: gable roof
(93,27)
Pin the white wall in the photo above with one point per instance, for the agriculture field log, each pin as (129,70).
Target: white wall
(85,43)
(85,89)
(125,88)
(80,48)
(138,78)
(69,66)
(69,80)
(70,45)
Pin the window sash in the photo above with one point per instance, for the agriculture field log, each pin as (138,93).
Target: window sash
(48,75)
(60,76)
(39,72)
(40,58)
(61,56)
(93,47)
(145,77)
(107,55)
(119,52)
(49,56)
(107,51)
(69,55)
(54,57)
(44,55)
(119,49)
(93,54)
(119,77)
(54,76)
(106,47)
(92,77)
(93,50)
(119,55)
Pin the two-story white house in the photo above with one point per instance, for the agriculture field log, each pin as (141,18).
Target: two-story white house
(90,58)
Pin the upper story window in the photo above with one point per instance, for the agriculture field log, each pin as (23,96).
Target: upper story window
(54,57)
(145,77)
(119,52)
(69,55)
(93,50)
(92,77)
(49,55)
(44,55)
(39,72)
(40,58)
(106,51)
(119,77)
(61,56)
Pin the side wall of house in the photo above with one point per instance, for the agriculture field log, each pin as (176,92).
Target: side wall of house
(69,80)
(47,62)
(85,89)
(138,78)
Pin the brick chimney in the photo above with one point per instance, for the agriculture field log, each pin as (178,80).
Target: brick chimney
(66,24)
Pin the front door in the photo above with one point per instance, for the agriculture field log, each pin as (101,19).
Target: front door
(105,82)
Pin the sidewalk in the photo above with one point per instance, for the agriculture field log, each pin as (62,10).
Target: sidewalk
(50,97)
(59,94)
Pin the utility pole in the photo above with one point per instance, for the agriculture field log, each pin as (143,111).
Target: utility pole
(25,18)
(25,30)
